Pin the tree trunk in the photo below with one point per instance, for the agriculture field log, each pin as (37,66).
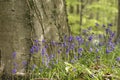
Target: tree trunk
(50,19)
(81,14)
(71,9)
(15,38)
(22,21)
(118,26)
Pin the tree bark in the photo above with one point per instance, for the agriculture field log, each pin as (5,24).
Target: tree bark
(21,22)
(52,23)
(15,38)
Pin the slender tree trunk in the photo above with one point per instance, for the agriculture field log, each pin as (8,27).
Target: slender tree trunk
(97,14)
(77,9)
(71,9)
(118,26)
(81,14)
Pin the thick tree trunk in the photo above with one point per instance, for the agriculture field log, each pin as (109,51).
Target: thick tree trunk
(22,21)
(14,34)
(49,21)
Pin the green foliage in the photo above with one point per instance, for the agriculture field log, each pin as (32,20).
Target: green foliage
(101,11)
(72,2)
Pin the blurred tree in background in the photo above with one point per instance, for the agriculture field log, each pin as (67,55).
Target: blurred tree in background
(118,28)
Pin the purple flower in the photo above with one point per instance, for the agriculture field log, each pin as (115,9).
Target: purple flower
(70,38)
(24,63)
(64,44)
(78,38)
(36,41)
(47,63)
(51,56)
(72,61)
(90,38)
(90,28)
(108,51)
(80,50)
(96,24)
(100,44)
(15,64)
(14,54)
(84,31)
(111,45)
(14,71)
(33,67)
(110,24)
(107,30)
(34,49)
(112,34)
(90,49)
(46,46)
(53,43)
(43,51)
(65,37)
(67,50)
(97,50)
(46,55)
(43,41)
(59,51)
(72,46)
(118,59)
(75,57)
